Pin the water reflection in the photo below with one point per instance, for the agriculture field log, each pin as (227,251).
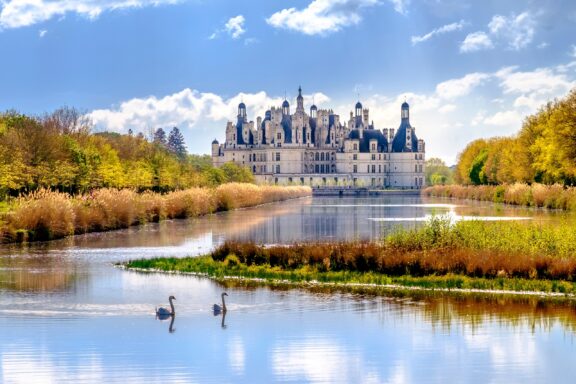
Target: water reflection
(72,317)
(42,272)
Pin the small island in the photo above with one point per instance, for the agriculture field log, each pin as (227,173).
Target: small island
(467,256)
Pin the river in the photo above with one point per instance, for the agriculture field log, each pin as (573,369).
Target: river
(68,315)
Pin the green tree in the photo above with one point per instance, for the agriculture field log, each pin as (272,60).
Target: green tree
(436,172)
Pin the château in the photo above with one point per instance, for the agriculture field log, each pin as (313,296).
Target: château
(319,149)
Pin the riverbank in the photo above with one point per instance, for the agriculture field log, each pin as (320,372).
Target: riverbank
(535,195)
(310,277)
(47,215)
(500,256)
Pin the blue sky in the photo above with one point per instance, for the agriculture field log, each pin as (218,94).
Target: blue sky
(468,69)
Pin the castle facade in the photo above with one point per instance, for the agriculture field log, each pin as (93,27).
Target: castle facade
(319,149)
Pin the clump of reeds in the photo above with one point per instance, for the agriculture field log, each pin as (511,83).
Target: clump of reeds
(43,215)
(553,196)
(47,215)
(475,249)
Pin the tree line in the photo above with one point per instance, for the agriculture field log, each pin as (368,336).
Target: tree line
(59,151)
(544,151)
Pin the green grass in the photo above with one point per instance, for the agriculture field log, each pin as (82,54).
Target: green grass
(439,255)
(219,270)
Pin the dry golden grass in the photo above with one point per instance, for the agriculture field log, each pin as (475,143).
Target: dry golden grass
(46,215)
(536,195)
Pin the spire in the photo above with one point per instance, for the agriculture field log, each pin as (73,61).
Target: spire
(300,101)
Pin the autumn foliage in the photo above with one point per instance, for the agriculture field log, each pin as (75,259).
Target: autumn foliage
(544,151)
(46,215)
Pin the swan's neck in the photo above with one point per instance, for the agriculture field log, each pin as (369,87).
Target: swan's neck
(172,306)
(223,304)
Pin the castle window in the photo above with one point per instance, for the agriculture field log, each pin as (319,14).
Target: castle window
(354,157)
(322,168)
(379,168)
(416,156)
(317,169)
(373,156)
(322,156)
(277,156)
(355,169)
(279,136)
(368,168)
(373,146)
(373,168)
(415,167)
(317,156)
(278,169)
(355,146)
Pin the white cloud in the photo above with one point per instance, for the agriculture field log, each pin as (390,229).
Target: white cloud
(400,6)
(42,32)
(543,81)
(188,109)
(510,118)
(235,26)
(447,108)
(22,13)
(438,31)
(451,89)
(321,17)
(475,42)
(515,31)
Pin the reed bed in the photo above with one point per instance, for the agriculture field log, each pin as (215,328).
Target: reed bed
(553,196)
(47,215)
(474,249)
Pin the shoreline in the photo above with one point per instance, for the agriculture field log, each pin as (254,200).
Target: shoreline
(48,216)
(350,285)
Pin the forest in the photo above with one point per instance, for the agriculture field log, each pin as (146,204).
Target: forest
(58,151)
(544,151)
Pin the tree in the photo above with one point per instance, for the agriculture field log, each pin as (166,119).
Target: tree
(176,143)
(437,172)
(160,137)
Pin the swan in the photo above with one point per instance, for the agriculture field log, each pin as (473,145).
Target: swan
(163,312)
(217,309)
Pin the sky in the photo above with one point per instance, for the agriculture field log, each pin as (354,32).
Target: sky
(468,69)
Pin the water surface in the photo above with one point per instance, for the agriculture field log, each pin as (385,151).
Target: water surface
(67,315)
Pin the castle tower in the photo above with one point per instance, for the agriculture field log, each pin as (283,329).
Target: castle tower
(215,148)
(405,111)
(300,101)
(286,108)
(242,112)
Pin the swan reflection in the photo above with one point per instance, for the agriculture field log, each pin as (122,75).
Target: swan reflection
(171,328)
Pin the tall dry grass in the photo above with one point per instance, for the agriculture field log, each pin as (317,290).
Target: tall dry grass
(553,196)
(47,215)
(475,249)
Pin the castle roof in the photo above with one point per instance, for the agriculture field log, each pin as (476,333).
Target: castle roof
(399,141)
(367,135)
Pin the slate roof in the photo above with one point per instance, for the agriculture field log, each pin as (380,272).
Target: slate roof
(367,135)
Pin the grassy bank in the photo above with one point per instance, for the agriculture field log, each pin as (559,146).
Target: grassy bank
(467,255)
(47,215)
(535,195)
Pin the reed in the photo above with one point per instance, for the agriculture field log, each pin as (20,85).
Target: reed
(47,215)
(474,249)
(553,196)
(304,275)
